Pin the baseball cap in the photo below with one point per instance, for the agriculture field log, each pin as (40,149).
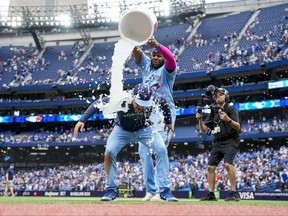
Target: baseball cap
(155,50)
(143,95)
(12,164)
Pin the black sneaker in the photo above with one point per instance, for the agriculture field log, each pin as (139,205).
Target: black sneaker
(209,197)
(233,196)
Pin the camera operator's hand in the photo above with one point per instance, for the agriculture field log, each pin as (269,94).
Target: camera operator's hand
(224,116)
(202,126)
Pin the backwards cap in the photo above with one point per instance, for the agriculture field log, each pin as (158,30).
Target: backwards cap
(143,93)
(155,50)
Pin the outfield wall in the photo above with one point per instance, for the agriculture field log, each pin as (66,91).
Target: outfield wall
(249,195)
(244,195)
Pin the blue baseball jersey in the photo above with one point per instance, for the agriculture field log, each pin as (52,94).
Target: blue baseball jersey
(10,173)
(153,76)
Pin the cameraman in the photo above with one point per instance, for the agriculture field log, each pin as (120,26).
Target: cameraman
(223,121)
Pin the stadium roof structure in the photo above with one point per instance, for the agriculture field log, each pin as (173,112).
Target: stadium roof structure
(82,17)
(93,16)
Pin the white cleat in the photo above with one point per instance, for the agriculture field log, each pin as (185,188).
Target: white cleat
(147,197)
(156,198)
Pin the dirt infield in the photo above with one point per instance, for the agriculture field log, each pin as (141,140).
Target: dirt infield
(138,209)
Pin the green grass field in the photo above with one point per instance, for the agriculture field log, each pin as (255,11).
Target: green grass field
(96,200)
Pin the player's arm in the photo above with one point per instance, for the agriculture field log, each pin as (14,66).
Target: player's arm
(137,53)
(170,61)
(90,111)
(167,117)
(159,99)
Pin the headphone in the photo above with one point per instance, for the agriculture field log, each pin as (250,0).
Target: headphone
(225,92)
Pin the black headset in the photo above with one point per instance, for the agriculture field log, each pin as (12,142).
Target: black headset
(225,92)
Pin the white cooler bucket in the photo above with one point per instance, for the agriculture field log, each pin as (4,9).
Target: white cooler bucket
(137,25)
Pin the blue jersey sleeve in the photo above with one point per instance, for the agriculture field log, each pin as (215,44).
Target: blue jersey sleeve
(144,64)
(159,99)
(92,109)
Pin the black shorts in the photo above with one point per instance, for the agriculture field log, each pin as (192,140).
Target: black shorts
(224,149)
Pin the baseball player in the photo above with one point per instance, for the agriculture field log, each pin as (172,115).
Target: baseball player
(9,180)
(160,71)
(133,124)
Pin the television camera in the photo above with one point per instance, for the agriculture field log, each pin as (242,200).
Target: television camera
(210,96)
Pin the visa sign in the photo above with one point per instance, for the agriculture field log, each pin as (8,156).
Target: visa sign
(246,195)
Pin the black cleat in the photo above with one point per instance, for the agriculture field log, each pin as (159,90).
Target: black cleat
(233,196)
(209,197)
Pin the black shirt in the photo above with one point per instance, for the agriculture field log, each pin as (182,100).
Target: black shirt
(222,130)
(131,120)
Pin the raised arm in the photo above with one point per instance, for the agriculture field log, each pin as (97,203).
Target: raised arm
(170,62)
(137,53)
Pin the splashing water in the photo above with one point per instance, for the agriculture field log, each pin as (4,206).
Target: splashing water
(122,50)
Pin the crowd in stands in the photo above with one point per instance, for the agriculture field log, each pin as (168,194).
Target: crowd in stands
(58,135)
(254,170)
(251,48)
(264,126)
(243,56)
(101,134)
(23,62)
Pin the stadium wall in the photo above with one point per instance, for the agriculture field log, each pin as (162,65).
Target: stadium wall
(244,195)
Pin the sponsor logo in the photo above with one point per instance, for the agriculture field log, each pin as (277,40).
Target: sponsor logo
(80,194)
(62,193)
(26,193)
(246,195)
(51,194)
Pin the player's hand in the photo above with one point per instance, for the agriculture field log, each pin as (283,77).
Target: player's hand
(78,126)
(153,43)
(168,127)
(136,49)
(170,132)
